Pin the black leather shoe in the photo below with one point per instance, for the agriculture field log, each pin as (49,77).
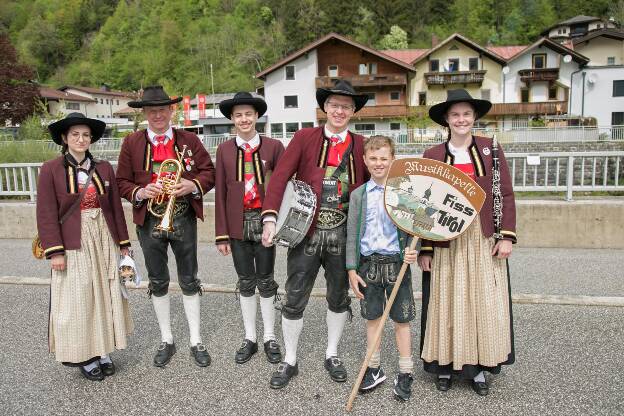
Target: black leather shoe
(246,351)
(95,374)
(443,384)
(282,376)
(200,353)
(336,370)
(480,388)
(272,351)
(108,368)
(164,354)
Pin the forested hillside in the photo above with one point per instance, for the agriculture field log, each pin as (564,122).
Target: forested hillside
(130,43)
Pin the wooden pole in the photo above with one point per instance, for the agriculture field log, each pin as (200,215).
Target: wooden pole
(373,346)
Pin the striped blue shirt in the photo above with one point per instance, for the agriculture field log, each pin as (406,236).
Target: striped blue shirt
(380,235)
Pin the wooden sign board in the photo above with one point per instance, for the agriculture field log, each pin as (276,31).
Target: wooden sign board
(431,199)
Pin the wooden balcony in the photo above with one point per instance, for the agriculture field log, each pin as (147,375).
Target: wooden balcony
(456,77)
(377,80)
(373,111)
(549,107)
(542,74)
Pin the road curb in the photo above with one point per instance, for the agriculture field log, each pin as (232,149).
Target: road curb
(518,298)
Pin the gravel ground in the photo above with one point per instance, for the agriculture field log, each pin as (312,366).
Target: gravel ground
(569,362)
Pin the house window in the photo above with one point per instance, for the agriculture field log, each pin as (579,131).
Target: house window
(617,119)
(618,88)
(453,65)
(277,129)
(306,124)
(117,102)
(422,98)
(72,106)
(371,99)
(332,71)
(395,126)
(524,95)
(292,127)
(552,92)
(101,100)
(395,95)
(290,101)
(611,60)
(539,60)
(473,64)
(485,94)
(367,69)
(107,101)
(290,72)
(434,65)
(365,127)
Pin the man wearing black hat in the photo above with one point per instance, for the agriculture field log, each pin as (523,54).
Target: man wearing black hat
(140,158)
(244,165)
(330,159)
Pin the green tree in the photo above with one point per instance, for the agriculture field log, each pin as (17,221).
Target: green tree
(396,39)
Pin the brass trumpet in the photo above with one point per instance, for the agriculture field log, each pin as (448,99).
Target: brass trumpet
(169,176)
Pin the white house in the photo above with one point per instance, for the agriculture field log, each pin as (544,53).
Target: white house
(105,102)
(539,76)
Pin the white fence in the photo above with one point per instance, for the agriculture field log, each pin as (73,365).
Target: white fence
(547,172)
(111,146)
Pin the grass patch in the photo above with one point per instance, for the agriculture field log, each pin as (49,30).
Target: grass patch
(27,152)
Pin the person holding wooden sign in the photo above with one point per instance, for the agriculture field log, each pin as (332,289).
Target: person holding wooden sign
(467,324)
(375,251)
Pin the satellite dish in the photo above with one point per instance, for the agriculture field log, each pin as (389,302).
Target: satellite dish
(592,78)
(505,70)
(567,58)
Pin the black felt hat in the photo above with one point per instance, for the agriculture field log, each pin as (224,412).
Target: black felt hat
(341,87)
(73,119)
(154,96)
(242,98)
(437,113)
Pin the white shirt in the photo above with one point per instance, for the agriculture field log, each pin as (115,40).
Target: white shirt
(152,136)
(255,141)
(342,134)
(460,156)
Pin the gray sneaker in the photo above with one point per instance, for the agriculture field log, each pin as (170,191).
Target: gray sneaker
(403,386)
(372,378)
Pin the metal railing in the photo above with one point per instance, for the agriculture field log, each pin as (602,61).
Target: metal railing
(567,172)
(581,134)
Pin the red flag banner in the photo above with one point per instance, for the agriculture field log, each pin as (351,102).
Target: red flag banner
(201,105)
(186,102)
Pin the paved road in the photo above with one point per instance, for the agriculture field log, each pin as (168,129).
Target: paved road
(569,362)
(533,270)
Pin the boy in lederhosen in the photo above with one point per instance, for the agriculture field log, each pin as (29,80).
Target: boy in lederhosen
(375,251)
(243,167)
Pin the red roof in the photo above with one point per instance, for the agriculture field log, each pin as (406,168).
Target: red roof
(51,94)
(405,55)
(507,51)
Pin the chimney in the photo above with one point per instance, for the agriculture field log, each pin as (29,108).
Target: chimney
(434,40)
(104,87)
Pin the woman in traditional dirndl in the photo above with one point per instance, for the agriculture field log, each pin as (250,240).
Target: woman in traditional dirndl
(89,316)
(467,323)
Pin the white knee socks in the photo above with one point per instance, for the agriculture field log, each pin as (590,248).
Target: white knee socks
(248,309)
(268,317)
(335,326)
(162,310)
(193,316)
(292,330)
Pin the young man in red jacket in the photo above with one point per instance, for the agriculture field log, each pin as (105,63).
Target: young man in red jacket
(141,156)
(244,165)
(330,159)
